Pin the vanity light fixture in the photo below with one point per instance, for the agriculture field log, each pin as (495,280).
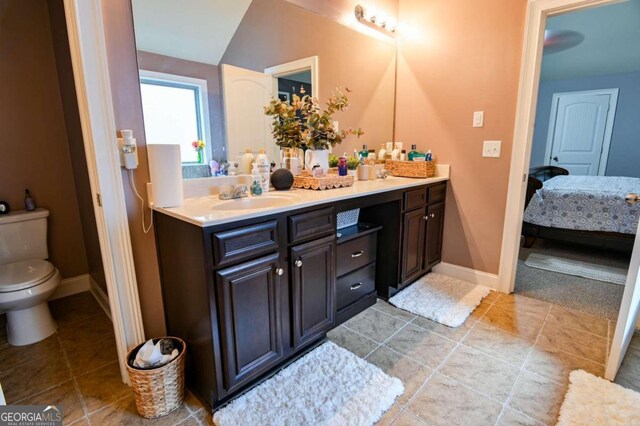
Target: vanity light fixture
(382,23)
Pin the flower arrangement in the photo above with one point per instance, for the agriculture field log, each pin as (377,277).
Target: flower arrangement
(302,121)
(353,162)
(199,147)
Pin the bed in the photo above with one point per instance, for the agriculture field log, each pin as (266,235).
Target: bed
(589,210)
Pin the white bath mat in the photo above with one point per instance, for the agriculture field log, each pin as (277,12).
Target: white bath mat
(441,298)
(328,386)
(609,274)
(591,400)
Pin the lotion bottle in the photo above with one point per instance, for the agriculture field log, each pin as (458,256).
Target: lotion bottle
(256,181)
(264,169)
(246,161)
(382,154)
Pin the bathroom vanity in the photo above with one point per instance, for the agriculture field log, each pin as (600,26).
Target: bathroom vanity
(251,284)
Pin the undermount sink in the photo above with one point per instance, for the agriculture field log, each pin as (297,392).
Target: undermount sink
(255,202)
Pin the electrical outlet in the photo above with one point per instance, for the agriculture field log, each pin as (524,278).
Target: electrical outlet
(491,149)
(478,119)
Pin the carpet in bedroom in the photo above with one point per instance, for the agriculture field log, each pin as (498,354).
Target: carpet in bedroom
(591,296)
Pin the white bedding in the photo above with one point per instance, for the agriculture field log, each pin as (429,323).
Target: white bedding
(587,203)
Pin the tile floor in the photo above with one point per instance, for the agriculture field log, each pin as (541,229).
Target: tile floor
(507,365)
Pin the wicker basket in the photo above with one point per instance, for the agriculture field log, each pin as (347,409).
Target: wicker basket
(326,182)
(412,169)
(159,391)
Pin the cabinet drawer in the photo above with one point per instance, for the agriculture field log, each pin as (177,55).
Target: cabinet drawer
(316,223)
(245,243)
(437,193)
(353,286)
(356,253)
(415,198)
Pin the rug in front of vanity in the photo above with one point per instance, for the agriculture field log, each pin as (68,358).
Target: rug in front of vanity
(327,386)
(440,298)
(591,400)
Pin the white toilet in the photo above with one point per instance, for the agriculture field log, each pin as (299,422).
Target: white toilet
(27,280)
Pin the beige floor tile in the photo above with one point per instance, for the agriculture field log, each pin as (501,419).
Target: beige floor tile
(478,312)
(538,397)
(89,356)
(407,418)
(64,395)
(352,341)
(85,331)
(452,333)
(375,325)
(14,356)
(524,305)
(82,422)
(189,421)
(508,319)
(102,387)
(499,344)
(204,417)
(492,297)
(124,412)
(511,417)
(557,365)
(421,345)
(34,377)
(443,401)
(389,416)
(387,308)
(192,403)
(629,373)
(74,308)
(575,342)
(411,373)
(565,317)
(485,374)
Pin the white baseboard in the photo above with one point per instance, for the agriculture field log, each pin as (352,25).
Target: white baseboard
(101,297)
(467,274)
(70,286)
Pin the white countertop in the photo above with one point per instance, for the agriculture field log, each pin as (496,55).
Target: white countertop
(210,210)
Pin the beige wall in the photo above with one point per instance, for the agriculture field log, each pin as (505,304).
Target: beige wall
(123,72)
(271,34)
(34,152)
(465,58)
(166,64)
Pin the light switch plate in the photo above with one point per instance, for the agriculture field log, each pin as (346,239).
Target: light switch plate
(478,119)
(491,149)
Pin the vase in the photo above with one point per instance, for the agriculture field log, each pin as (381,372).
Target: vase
(200,156)
(317,156)
(291,160)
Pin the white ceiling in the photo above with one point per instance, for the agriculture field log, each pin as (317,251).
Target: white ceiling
(611,42)
(196,30)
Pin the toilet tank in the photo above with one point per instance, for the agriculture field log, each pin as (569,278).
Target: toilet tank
(23,235)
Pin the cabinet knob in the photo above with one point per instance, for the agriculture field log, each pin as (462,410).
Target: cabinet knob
(279,271)
(432,215)
(425,217)
(298,263)
(357,254)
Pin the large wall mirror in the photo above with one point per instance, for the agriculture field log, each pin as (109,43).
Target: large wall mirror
(209,67)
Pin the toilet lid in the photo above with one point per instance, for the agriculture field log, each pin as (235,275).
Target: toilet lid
(24,274)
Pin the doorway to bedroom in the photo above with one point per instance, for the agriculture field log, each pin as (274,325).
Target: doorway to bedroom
(579,219)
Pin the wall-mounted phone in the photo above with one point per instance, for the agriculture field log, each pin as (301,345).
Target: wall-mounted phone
(128,150)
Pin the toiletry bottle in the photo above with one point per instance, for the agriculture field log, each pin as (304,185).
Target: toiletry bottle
(429,156)
(403,155)
(364,153)
(246,161)
(342,166)
(233,169)
(256,180)
(413,152)
(263,167)
(389,147)
(382,154)
(29,202)
(395,154)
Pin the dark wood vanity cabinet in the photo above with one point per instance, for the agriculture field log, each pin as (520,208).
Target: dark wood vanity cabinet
(413,244)
(433,241)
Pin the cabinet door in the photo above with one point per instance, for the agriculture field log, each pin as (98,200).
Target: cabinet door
(248,298)
(312,289)
(413,236)
(435,226)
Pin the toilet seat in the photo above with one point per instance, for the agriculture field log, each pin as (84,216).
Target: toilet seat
(24,274)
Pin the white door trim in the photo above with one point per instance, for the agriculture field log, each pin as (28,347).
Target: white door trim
(294,67)
(608,131)
(89,60)
(537,13)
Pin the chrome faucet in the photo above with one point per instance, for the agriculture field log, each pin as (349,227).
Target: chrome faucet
(230,192)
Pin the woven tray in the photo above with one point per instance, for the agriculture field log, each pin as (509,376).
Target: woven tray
(326,182)
(411,169)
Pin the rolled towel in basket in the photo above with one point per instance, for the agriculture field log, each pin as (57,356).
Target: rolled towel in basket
(152,356)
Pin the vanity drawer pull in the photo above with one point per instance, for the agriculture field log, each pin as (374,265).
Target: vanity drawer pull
(355,286)
(357,254)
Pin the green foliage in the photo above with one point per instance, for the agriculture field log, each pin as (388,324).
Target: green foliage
(333,160)
(353,162)
(302,121)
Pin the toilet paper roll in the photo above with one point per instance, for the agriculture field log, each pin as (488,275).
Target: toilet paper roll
(165,170)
